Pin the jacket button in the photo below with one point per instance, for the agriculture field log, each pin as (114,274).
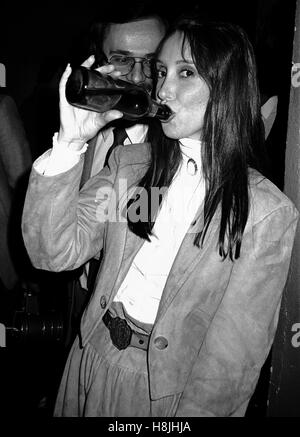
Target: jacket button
(161,343)
(103,302)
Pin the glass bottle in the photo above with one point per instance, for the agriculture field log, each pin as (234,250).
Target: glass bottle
(89,89)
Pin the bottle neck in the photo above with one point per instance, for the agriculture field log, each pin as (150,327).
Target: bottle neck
(160,111)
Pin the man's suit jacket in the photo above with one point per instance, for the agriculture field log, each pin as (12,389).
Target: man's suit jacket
(216,319)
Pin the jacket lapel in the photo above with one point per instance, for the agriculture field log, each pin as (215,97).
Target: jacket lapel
(187,258)
(131,245)
(128,244)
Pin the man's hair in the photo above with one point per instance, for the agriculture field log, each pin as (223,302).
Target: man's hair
(232,133)
(135,11)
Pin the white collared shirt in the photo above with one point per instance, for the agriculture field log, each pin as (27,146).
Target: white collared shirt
(143,285)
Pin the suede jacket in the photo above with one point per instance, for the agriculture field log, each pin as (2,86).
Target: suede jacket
(216,319)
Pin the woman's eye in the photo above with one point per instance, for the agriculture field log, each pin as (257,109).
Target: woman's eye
(186,72)
(160,73)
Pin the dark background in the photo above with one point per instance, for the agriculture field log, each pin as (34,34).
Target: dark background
(36,42)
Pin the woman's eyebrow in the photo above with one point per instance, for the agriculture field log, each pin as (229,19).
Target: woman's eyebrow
(185,61)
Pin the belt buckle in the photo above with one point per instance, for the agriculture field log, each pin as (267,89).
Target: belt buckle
(120,333)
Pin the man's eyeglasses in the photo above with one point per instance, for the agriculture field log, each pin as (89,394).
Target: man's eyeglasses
(125,64)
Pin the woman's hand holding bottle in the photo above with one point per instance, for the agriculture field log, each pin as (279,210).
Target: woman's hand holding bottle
(77,126)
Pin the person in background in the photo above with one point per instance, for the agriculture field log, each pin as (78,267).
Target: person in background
(186,302)
(15,162)
(128,41)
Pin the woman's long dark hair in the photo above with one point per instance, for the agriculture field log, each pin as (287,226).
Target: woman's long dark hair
(232,133)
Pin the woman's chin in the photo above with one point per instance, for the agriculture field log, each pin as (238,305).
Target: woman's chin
(170,132)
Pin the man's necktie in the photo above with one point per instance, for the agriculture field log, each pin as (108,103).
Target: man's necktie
(119,137)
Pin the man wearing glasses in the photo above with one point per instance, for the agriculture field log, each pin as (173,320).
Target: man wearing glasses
(129,43)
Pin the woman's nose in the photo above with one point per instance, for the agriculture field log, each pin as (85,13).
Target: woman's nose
(166,91)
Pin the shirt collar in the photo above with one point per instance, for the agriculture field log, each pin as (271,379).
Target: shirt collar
(191,149)
(136,133)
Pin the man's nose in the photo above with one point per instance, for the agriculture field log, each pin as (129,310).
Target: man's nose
(137,74)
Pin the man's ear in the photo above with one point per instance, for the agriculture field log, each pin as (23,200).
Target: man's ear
(268,112)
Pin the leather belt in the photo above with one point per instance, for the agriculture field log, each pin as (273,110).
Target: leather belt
(122,335)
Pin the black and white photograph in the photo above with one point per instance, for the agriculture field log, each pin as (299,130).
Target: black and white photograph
(149,208)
